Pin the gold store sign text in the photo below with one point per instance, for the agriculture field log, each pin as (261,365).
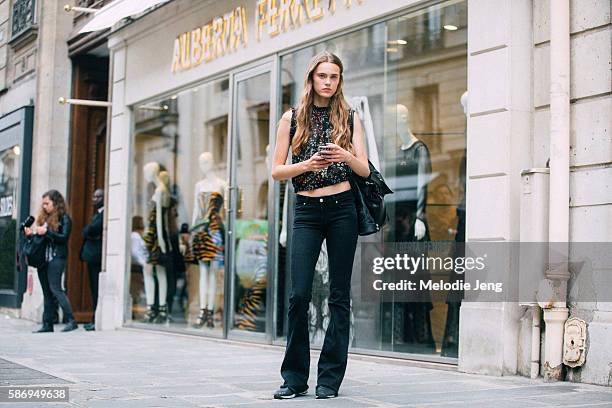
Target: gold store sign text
(280,15)
(221,36)
(225,34)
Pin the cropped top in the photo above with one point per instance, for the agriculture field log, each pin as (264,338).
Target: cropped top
(321,131)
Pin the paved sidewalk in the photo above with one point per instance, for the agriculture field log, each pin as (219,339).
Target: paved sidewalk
(136,368)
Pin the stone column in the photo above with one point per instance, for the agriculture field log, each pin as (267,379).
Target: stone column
(498,148)
(115,274)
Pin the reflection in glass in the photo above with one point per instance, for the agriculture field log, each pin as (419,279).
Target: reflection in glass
(9,168)
(404,77)
(251,224)
(181,169)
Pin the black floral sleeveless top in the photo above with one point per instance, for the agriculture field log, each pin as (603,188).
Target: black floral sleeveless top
(321,132)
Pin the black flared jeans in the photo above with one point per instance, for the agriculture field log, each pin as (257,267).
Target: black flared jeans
(333,218)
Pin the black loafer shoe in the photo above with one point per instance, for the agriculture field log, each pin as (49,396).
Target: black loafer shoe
(288,393)
(44,329)
(70,326)
(324,392)
(89,326)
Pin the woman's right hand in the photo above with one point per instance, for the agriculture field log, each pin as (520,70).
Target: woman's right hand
(316,163)
(28,231)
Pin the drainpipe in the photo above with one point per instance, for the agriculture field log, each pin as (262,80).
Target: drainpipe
(554,288)
(535,341)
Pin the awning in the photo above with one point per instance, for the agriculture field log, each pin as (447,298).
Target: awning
(117,10)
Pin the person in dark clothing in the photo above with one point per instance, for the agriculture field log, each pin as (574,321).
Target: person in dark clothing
(54,223)
(91,251)
(325,150)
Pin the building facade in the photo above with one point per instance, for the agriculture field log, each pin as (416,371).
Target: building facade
(46,145)
(198,87)
(208,125)
(35,71)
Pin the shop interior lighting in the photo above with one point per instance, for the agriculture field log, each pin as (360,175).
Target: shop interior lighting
(450,27)
(392,49)
(68,8)
(17,150)
(397,42)
(154,107)
(84,102)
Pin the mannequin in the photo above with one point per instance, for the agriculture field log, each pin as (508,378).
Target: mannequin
(208,267)
(174,261)
(412,324)
(157,243)
(420,167)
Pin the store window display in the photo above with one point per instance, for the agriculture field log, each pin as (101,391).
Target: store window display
(157,244)
(412,169)
(405,78)
(250,269)
(208,235)
(179,196)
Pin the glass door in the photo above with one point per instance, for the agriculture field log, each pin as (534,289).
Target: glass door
(248,238)
(15,163)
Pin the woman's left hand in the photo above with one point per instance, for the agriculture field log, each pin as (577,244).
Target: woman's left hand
(336,154)
(41,230)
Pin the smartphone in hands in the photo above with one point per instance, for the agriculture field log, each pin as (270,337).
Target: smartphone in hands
(323,150)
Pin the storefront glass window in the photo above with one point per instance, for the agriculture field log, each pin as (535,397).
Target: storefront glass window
(405,77)
(180,181)
(9,171)
(251,224)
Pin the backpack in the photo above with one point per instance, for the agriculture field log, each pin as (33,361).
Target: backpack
(34,249)
(369,195)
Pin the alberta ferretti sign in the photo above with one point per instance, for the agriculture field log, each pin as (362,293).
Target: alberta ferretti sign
(222,35)
(227,34)
(273,17)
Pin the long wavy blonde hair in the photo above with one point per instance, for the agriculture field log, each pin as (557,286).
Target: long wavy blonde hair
(59,209)
(338,108)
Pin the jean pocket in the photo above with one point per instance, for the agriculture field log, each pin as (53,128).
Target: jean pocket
(301,207)
(345,203)
(301,204)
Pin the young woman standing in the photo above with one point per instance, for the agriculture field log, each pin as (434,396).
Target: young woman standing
(324,152)
(55,225)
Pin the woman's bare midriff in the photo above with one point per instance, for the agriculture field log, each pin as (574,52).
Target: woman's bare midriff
(327,190)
